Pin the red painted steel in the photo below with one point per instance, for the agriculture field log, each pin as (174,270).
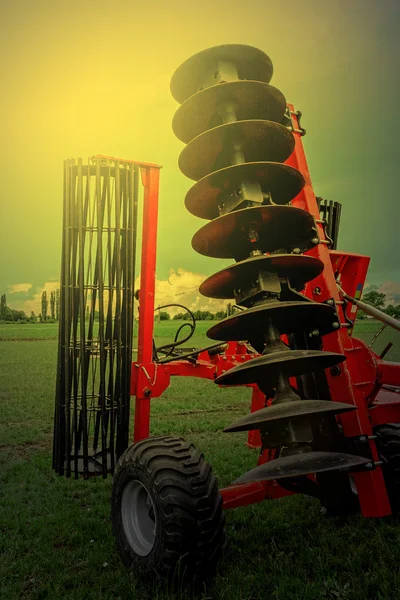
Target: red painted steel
(147,369)
(360,379)
(371,488)
(234,496)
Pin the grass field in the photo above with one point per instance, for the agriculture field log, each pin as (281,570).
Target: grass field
(55,534)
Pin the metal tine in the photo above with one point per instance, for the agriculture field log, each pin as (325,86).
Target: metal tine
(98,277)
(115,311)
(59,410)
(118,249)
(84,358)
(75,314)
(100,214)
(125,334)
(132,194)
(81,284)
(67,321)
(109,323)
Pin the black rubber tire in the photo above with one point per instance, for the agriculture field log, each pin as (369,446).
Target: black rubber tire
(188,508)
(388,445)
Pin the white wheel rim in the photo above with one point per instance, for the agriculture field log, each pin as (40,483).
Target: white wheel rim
(138,518)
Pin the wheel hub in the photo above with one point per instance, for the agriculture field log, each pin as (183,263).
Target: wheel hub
(138,518)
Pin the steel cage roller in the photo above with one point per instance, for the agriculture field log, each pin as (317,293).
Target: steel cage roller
(96,315)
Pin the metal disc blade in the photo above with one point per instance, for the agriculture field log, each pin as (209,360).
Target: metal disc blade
(252,100)
(287,410)
(213,149)
(297,268)
(289,317)
(282,181)
(276,227)
(250,62)
(291,363)
(302,464)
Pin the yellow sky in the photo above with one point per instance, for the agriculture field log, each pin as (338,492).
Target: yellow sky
(85,78)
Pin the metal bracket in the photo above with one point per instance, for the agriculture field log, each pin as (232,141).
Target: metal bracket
(288,121)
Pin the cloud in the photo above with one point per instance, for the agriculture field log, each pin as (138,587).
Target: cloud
(182,287)
(35,302)
(392,291)
(20,287)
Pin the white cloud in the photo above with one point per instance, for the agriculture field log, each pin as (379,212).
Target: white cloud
(182,287)
(34,303)
(20,287)
(392,291)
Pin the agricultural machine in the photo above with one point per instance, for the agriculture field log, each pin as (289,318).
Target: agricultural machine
(325,409)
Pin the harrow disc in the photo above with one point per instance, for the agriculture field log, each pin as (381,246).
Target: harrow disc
(213,149)
(252,100)
(250,62)
(303,464)
(289,317)
(290,363)
(298,269)
(281,181)
(286,410)
(274,226)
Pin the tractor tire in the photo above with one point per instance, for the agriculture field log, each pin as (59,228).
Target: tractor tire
(166,511)
(388,445)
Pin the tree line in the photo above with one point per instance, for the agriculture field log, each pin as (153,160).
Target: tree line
(49,312)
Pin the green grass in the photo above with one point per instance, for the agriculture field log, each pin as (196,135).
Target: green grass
(55,533)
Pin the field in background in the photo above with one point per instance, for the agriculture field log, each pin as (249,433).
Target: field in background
(55,534)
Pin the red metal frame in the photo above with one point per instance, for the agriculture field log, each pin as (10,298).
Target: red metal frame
(361,378)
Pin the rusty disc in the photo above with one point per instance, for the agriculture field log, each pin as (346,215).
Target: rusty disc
(282,181)
(276,226)
(291,363)
(289,317)
(287,410)
(303,464)
(252,100)
(250,62)
(213,149)
(299,269)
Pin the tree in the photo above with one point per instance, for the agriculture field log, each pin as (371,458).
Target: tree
(164,316)
(57,299)
(393,311)
(53,304)
(374,298)
(45,304)
(32,318)
(3,307)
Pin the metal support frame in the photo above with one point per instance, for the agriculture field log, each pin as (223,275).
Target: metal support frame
(353,383)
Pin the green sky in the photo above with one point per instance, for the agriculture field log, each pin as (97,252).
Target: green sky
(93,78)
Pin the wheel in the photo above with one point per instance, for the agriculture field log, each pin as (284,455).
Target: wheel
(166,510)
(388,444)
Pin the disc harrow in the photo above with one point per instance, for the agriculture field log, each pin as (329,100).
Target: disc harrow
(233,122)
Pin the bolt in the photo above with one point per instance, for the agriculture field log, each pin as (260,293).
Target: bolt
(296,251)
(335,371)
(317,291)
(314,333)
(329,301)
(315,240)
(335,325)
(147,392)
(369,465)
(362,438)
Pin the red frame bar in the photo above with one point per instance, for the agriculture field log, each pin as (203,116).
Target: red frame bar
(147,369)
(371,487)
